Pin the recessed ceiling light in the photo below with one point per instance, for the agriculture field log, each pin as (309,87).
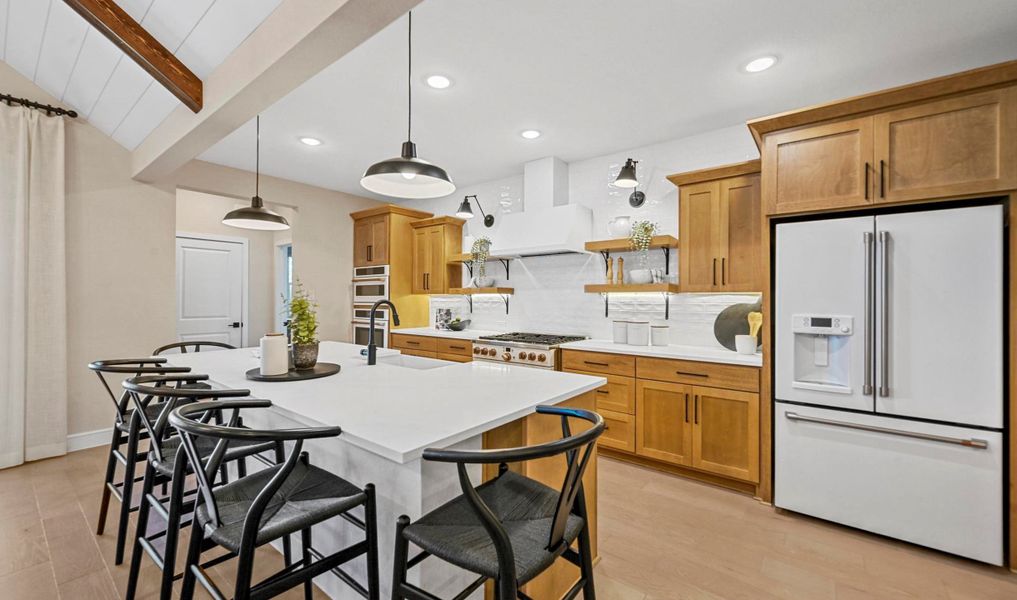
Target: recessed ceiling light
(310,141)
(760,64)
(438,82)
(530,134)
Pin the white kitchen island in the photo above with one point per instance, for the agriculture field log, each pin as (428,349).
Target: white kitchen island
(389,413)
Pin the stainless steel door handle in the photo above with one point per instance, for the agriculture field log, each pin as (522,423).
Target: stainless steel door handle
(869,300)
(969,442)
(884,306)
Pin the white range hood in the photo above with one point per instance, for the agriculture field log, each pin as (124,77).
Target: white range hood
(548,224)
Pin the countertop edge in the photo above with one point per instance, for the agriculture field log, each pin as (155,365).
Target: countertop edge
(754,360)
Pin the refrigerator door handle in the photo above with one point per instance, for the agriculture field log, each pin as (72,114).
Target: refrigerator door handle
(884,306)
(869,325)
(969,442)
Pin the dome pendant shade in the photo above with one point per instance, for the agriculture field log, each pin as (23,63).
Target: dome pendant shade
(465,210)
(627,176)
(256,216)
(407,176)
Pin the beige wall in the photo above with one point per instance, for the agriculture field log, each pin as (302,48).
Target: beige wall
(121,259)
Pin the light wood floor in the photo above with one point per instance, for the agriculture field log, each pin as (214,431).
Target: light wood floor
(660,538)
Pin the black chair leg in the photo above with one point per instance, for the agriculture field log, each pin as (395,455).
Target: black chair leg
(402,549)
(371,520)
(127,492)
(245,570)
(193,559)
(140,532)
(111,464)
(176,501)
(586,568)
(305,545)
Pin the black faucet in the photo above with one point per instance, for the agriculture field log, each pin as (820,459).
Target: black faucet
(372,348)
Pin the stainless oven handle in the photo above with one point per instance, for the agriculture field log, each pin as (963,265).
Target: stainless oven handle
(969,442)
(869,299)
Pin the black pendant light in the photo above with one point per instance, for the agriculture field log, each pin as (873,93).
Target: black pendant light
(256,216)
(627,176)
(466,211)
(407,176)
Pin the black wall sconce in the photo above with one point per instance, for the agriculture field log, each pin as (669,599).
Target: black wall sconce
(627,179)
(466,211)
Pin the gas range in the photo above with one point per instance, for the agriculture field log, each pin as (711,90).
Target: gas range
(529,349)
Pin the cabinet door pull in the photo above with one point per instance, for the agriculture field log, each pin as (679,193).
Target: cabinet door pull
(866,180)
(690,374)
(882,180)
(370,254)
(595,364)
(714,271)
(697,409)
(457,347)
(723,271)
(603,392)
(411,343)
(686,407)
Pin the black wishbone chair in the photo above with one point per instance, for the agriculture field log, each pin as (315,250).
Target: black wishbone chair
(509,529)
(166,464)
(195,345)
(127,429)
(270,504)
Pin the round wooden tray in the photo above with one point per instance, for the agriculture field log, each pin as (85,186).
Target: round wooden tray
(322,369)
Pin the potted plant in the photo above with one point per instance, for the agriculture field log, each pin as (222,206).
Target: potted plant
(303,327)
(640,238)
(479,253)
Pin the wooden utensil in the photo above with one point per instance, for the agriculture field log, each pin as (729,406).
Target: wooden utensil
(755,322)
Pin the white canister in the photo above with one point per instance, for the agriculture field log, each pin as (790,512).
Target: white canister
(659,335)
(639,333)
(274,354)
(621,332)
(745,344)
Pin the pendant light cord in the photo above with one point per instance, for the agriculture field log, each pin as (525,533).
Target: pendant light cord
(257,155)
(409,78)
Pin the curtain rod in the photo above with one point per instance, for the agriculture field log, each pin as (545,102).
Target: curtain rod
(50,110)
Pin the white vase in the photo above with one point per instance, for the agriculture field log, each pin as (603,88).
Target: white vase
(620,227)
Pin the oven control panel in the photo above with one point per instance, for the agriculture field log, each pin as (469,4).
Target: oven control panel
(533,357)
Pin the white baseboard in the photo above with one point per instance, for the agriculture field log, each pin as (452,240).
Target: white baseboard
(89,439)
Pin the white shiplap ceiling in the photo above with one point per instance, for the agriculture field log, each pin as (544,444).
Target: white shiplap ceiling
(601,76)
(47,42)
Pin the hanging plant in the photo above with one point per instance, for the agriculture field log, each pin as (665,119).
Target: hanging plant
(303,313)
(640,238)
(479,252)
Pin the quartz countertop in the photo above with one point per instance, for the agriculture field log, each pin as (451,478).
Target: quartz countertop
(683,352)
(468,334)
(393,409)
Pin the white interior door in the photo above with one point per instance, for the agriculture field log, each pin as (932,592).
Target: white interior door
(942,356)
(211,280)
(822,268)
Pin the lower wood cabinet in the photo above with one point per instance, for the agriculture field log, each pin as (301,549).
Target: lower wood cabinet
(725,433)
(663,421)
(433,347)
(619,431)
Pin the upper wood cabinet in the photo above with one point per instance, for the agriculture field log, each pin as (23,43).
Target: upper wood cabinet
(434,241)
(370,241)
(957,146)
(952,147)
(719,219)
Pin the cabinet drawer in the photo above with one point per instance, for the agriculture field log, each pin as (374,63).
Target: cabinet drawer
(599,362)
(617,395)
(454,357)
(699,373)
(414,342)
(447,346)
(619,431)
(421,353)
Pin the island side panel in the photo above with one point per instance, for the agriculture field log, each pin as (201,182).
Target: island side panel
(536,429)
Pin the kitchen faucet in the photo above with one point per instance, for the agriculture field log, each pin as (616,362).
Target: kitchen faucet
(372,348)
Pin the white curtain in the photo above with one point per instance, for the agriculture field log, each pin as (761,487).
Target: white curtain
(33,315)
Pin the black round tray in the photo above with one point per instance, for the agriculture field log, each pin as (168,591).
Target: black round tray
(322,369)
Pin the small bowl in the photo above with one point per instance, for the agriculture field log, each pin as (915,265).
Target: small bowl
(459,326)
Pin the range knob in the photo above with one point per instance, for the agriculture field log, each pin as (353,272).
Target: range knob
(542,358)
(507,356)
(476,350)
(522,356)
(531,356)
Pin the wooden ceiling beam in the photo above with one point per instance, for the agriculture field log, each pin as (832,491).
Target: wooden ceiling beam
(118,26)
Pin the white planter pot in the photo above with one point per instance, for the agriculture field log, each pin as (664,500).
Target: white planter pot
(620,227)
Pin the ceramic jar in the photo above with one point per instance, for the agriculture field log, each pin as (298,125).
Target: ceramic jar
(620,227)
(638,333)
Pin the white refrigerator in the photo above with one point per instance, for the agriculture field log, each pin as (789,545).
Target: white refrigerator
(889,375)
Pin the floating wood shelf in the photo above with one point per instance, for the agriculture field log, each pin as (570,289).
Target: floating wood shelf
(634,288)
(466,259)
(475,291)
(623,244)
(631,288)
(504,292)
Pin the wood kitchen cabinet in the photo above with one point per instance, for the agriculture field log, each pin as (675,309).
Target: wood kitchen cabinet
(725,432)
(957,146)
(434,242)
(663,421)
(370,241)
(719,221)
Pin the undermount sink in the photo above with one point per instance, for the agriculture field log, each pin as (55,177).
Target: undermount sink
(413,362)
